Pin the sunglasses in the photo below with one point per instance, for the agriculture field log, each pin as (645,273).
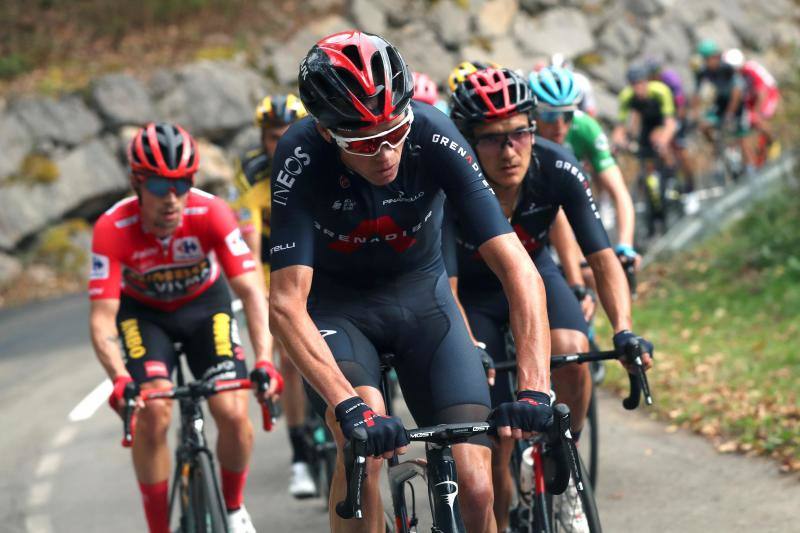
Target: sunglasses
(496,141)
(161,186)
(370,146)
(553,116)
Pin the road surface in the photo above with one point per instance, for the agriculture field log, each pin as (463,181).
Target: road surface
(59,475)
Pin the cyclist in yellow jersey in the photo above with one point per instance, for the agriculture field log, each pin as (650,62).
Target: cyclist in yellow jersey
(273,116)
(654,116)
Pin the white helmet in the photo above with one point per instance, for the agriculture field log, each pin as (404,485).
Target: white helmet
(734,57)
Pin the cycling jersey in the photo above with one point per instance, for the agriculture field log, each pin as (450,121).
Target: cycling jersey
(554,180)
(672,79)
(166,273)
(328,217)
(758,80)
(379,283)
(588,142)
(252,204)
(653,109)
(724,80)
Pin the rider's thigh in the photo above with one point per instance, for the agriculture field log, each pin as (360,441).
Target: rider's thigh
(563,309)
(214,348)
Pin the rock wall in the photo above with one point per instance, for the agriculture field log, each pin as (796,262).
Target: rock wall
(83,135)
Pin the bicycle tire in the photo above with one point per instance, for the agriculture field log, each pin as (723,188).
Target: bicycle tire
(561,508)
(206,504)
(590,440)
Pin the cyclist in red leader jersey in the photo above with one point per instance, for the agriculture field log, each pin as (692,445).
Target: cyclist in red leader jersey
(156,278)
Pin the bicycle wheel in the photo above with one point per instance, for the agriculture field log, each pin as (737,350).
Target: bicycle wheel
(205,501)
(575,511)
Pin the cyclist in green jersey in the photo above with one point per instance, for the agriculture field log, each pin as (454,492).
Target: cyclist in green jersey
(560,121)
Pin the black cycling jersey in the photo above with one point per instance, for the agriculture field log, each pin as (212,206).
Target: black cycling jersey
(724,79)
(555,179)
(354,233)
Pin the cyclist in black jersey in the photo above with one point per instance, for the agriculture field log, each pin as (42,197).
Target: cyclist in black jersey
(533,178)
(357,204)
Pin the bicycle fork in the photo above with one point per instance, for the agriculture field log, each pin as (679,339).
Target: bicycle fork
(443,488)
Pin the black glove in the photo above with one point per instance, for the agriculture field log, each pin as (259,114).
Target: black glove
(531,412)
(486,359)
(626,337)
(384,433)
(581,292)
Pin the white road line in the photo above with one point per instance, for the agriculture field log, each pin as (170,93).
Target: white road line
(87,407)
(38,524)
(39,494)
(48,464)
(64,437)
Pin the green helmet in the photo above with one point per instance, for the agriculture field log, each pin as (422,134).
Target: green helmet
(708,48)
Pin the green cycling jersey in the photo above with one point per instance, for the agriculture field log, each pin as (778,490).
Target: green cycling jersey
(588,142)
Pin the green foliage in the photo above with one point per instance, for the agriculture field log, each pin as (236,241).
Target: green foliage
(13,65)
(58,249)
(36,169)
(724,319)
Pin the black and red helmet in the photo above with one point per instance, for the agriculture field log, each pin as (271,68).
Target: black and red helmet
(490,94)
(164,150)
(354,80)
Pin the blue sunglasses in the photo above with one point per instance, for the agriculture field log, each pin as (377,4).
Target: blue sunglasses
(161,186)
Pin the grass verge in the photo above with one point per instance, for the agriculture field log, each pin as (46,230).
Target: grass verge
(725,319)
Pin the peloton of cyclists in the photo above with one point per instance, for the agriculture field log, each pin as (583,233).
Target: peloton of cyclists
(156,277)
(273,117)
(532,178)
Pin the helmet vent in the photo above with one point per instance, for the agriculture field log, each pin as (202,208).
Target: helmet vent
(351,52)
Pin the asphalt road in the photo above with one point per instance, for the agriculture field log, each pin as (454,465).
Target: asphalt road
(58,475)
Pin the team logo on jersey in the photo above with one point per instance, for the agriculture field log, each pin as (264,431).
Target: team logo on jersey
(601,143)
(100,268)
(292,167)
(236,243)
(187,249)
(402,198)
(381,229)
(345,205)
(155,369)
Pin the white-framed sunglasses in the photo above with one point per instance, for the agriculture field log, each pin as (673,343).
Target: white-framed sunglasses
(370,146)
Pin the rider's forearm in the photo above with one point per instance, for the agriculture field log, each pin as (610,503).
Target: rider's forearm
(293,327)
(105,340)
(527,307)
(569,253)
(612,288)
(611,179)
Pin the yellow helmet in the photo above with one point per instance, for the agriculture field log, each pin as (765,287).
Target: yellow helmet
(464,69)
(279,110)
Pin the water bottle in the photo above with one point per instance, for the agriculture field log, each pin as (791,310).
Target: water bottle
(526,471)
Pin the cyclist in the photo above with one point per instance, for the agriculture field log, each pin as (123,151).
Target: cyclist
(671,78)
(726,111)
(533,178)
(588,102)
(761,96)
(425,90)
(357,203)
(559,120)
(464,69)
(273,117)
(155,276)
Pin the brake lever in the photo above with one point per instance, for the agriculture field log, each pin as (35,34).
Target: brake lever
(355,465)
(129,413)
(562,423)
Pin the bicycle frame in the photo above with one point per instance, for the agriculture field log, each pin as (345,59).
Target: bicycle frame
(192,443)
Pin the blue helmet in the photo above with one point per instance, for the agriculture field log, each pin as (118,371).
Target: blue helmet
(555,87)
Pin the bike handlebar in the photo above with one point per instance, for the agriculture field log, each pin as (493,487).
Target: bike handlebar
(639,386)
(195,390)
(355,457)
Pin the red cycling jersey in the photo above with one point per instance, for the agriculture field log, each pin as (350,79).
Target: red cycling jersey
(166,273)
(759,81)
